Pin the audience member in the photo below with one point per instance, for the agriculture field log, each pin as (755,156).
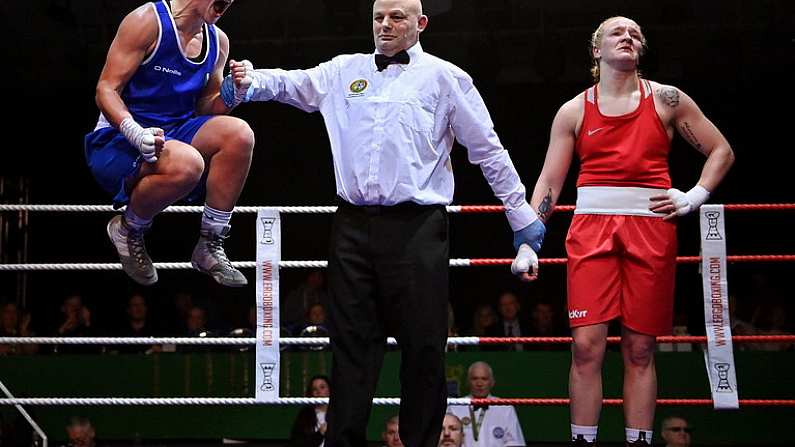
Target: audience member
(196,322)
(182,303)
(196,326)
(508,322)
(75,322)
(391,433)
(679,329)
(675,432)
(452,329)
(80,432)
(14,323)
(483,318)
(314,325)
(136,324)
(315,316)
(544,323)
(452,434)
(484,425)
(297,302)
(309,428)
(771,318)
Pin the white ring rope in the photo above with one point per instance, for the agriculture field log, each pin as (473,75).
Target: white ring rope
(176,265)
(212,341)
(197,401)
(181,209)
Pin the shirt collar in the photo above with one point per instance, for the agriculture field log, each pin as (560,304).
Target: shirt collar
(415,52)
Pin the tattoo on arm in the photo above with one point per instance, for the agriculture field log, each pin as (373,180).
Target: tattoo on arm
(669,95)
(690,136)
(545,208)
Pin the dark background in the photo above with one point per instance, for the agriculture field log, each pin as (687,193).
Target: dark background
(735,58)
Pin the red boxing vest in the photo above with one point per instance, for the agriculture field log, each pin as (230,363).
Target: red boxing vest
(626,150)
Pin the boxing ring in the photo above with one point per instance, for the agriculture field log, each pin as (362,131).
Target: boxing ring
(323,341)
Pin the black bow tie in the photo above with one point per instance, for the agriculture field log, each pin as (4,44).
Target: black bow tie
(382,61)
(479,407)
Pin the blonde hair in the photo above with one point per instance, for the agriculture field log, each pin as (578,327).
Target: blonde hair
(596,40)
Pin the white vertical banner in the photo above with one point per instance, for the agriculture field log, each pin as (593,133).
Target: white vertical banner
(719,356)
(269,254)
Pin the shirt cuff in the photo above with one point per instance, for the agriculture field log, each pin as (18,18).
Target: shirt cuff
(521,217)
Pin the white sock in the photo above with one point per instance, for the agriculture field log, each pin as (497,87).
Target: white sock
(215,220)
(134,221)
(634,434)
(588,432)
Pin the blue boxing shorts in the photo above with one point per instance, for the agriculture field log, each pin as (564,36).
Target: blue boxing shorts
(114,161)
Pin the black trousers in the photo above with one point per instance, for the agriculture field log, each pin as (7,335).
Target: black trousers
(388,276)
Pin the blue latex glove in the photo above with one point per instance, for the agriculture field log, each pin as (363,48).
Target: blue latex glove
(532,235)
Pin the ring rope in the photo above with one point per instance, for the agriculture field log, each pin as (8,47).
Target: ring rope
(331,209)
(462,262)
(322,341)
(376,401)
(325,340)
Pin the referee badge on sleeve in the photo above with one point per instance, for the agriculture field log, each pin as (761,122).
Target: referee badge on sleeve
(498,432)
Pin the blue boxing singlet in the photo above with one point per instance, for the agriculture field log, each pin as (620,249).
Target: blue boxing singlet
(164,90)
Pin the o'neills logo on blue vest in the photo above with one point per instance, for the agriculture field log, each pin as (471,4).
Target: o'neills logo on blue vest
(167,70)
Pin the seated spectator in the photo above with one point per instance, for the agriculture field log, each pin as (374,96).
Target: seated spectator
(391,433)
(315,317)
(740,324)
(136,324)
(679,329)
(314,325)
(297,303)
(452,329)
(771,318)
(182,303)
(309,428)
(483,318)
(452,434)
(543,323)
(80,433)
(15,429)
(75,322)
(489,426)
(196,326)
(508,323)
(249,329)
(14,323)
(196,322)
(675,432)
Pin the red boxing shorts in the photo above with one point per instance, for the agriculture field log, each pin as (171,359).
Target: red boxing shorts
(621,266)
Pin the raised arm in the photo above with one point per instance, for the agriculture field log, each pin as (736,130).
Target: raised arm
(304,89)
(558,159)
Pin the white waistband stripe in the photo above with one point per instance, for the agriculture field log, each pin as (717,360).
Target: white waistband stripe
(627,201)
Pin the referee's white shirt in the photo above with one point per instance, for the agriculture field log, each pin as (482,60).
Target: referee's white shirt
(500,426)
(392,131)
